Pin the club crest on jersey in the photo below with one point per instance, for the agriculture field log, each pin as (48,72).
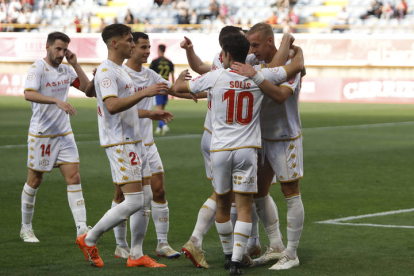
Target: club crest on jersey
(106,82)
(274,70)
(62,82)
(31,76)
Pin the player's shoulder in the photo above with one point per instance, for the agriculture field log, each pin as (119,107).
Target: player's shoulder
(38,64)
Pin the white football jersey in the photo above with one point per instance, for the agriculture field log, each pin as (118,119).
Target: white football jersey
(111,80)
(48,119)
(142,80)
(252,60)
(235,107)
(281,121)
(218,64)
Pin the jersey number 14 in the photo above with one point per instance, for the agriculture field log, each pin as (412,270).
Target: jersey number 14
(236,105)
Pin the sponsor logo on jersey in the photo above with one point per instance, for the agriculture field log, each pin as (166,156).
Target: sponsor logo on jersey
(238,245)
(291,81)
(129,85)
(33,66)
(62,82)
(104,70)
(31,76)
(137,89)
(106,82)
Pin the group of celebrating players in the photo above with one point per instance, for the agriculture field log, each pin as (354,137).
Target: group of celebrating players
(252,135)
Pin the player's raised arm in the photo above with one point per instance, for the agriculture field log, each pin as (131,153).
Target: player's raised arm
(90,87)
(83,79)
(282,54)
(196,64)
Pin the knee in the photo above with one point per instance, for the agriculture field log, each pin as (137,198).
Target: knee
(290,188)
(34,181)
(135,202)
(119,197)
(74,179)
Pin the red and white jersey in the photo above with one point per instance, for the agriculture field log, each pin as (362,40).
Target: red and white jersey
(141,81)
(48,119)
(235,107)
(281,122)
(111,80)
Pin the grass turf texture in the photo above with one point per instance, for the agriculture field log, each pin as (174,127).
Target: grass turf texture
(349,171)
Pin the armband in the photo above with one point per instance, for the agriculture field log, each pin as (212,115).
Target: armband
(258,78)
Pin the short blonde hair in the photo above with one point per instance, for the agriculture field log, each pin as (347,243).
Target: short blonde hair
(264,29)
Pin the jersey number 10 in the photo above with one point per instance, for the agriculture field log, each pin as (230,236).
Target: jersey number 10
(239,107)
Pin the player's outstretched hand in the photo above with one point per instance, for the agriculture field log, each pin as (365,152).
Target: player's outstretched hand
(244,69)
(66,107)
(161,115)
(185,75)
(186,43)
(157,89)
(71,57)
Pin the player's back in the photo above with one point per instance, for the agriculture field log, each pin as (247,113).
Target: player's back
(236,104)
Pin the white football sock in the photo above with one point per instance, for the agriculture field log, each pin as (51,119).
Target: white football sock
(132,203)
(139,224)
(254,235)
(295,220)
(225,231)
(242,232)
(233,214)
(267,211)
(27,204)
(161,216)
(120,231)
(205,220)
(77,206)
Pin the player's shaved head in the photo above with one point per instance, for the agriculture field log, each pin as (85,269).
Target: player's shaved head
(52,37)
(137,35)
(113,31)
(264,29)
(237,46)
(229,30)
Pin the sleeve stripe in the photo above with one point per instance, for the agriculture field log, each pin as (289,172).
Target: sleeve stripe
(288,87)
(169,90)
(287,73)
(30,89)
(109,96)
(188,87)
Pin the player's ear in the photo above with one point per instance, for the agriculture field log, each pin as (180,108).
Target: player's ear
(47,47)
(271,40)
(114,43)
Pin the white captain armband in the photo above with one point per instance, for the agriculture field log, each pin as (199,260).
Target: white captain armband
(258,78)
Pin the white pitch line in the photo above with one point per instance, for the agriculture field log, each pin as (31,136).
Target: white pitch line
(339,220)
(191,136)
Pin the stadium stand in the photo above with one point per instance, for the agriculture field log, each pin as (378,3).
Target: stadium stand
(313,16)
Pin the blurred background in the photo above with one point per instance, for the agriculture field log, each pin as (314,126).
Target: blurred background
(355,50)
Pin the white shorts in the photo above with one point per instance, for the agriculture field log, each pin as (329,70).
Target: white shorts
(46,153)
(205,149)
(286,158)
(126,163)
(236,169)
(154,160)
(146,171)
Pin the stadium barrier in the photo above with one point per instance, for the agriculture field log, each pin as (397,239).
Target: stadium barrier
(340,68)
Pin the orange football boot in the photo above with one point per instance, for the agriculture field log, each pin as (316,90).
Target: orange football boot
(144,261)
(91,252)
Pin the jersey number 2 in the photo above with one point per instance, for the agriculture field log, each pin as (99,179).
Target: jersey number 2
(134,158)
(236,105)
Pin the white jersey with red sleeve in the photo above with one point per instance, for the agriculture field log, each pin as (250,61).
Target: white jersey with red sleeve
(281,122)
(235,108)
(142,80)
(48,120)
(111,80)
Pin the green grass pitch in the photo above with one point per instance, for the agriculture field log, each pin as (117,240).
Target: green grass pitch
(358,160)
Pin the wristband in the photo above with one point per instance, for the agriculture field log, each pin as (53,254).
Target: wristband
(258,78)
